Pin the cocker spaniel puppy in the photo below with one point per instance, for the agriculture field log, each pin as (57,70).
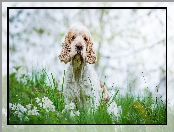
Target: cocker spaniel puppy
(82,85)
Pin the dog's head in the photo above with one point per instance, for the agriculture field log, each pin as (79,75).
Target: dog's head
(78,41)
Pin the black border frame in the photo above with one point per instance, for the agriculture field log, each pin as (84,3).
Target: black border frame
(8,8)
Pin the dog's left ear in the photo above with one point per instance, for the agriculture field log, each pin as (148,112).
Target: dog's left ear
(91,57)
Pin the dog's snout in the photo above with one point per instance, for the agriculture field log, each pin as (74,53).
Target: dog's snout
(79,46)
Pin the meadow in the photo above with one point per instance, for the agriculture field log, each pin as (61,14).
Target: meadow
(33,101)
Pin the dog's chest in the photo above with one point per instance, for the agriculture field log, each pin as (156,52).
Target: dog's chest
(79,82)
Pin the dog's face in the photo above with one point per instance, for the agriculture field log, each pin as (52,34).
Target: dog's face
(79,37)
(78,41)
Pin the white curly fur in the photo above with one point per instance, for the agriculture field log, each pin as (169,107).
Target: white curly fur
(82,85)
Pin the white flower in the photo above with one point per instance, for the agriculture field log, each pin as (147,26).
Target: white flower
(44,99)
(14,107)
(52,108)
(21,108)
(10,105)
(18,113)
(63,111)
(78,113)
(4,112)
(71,105)
(18,106)
(30,112)
(28,106)
(35,108)
(40,104)
(37,100)
(47,104)
(33,111)
(66,107)
(72,114)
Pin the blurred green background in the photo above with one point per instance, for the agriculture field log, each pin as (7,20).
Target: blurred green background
(130,44)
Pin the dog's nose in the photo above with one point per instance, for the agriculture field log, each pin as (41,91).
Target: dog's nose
(79,46)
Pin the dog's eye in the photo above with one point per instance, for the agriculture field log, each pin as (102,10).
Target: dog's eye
(73,37)
(85,39)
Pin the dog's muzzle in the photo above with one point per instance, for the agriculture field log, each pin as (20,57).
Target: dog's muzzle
(79,48)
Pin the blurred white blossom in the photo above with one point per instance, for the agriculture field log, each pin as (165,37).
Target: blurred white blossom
(19,114)
(47,104)
(63,111)
(28,106)
(44,99)
(10,105)
(40,104)
(33,111)
(37,100)
(72,114)
(71,106)
(66,107)
(52,108)
(21,108)
(78,113)
(13,107)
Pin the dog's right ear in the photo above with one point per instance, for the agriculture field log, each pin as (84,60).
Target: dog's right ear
(65,53)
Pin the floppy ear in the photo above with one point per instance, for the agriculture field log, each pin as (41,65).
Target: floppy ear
(91,57)
(65,53)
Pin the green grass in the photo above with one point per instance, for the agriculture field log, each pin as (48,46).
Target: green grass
(23,89)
